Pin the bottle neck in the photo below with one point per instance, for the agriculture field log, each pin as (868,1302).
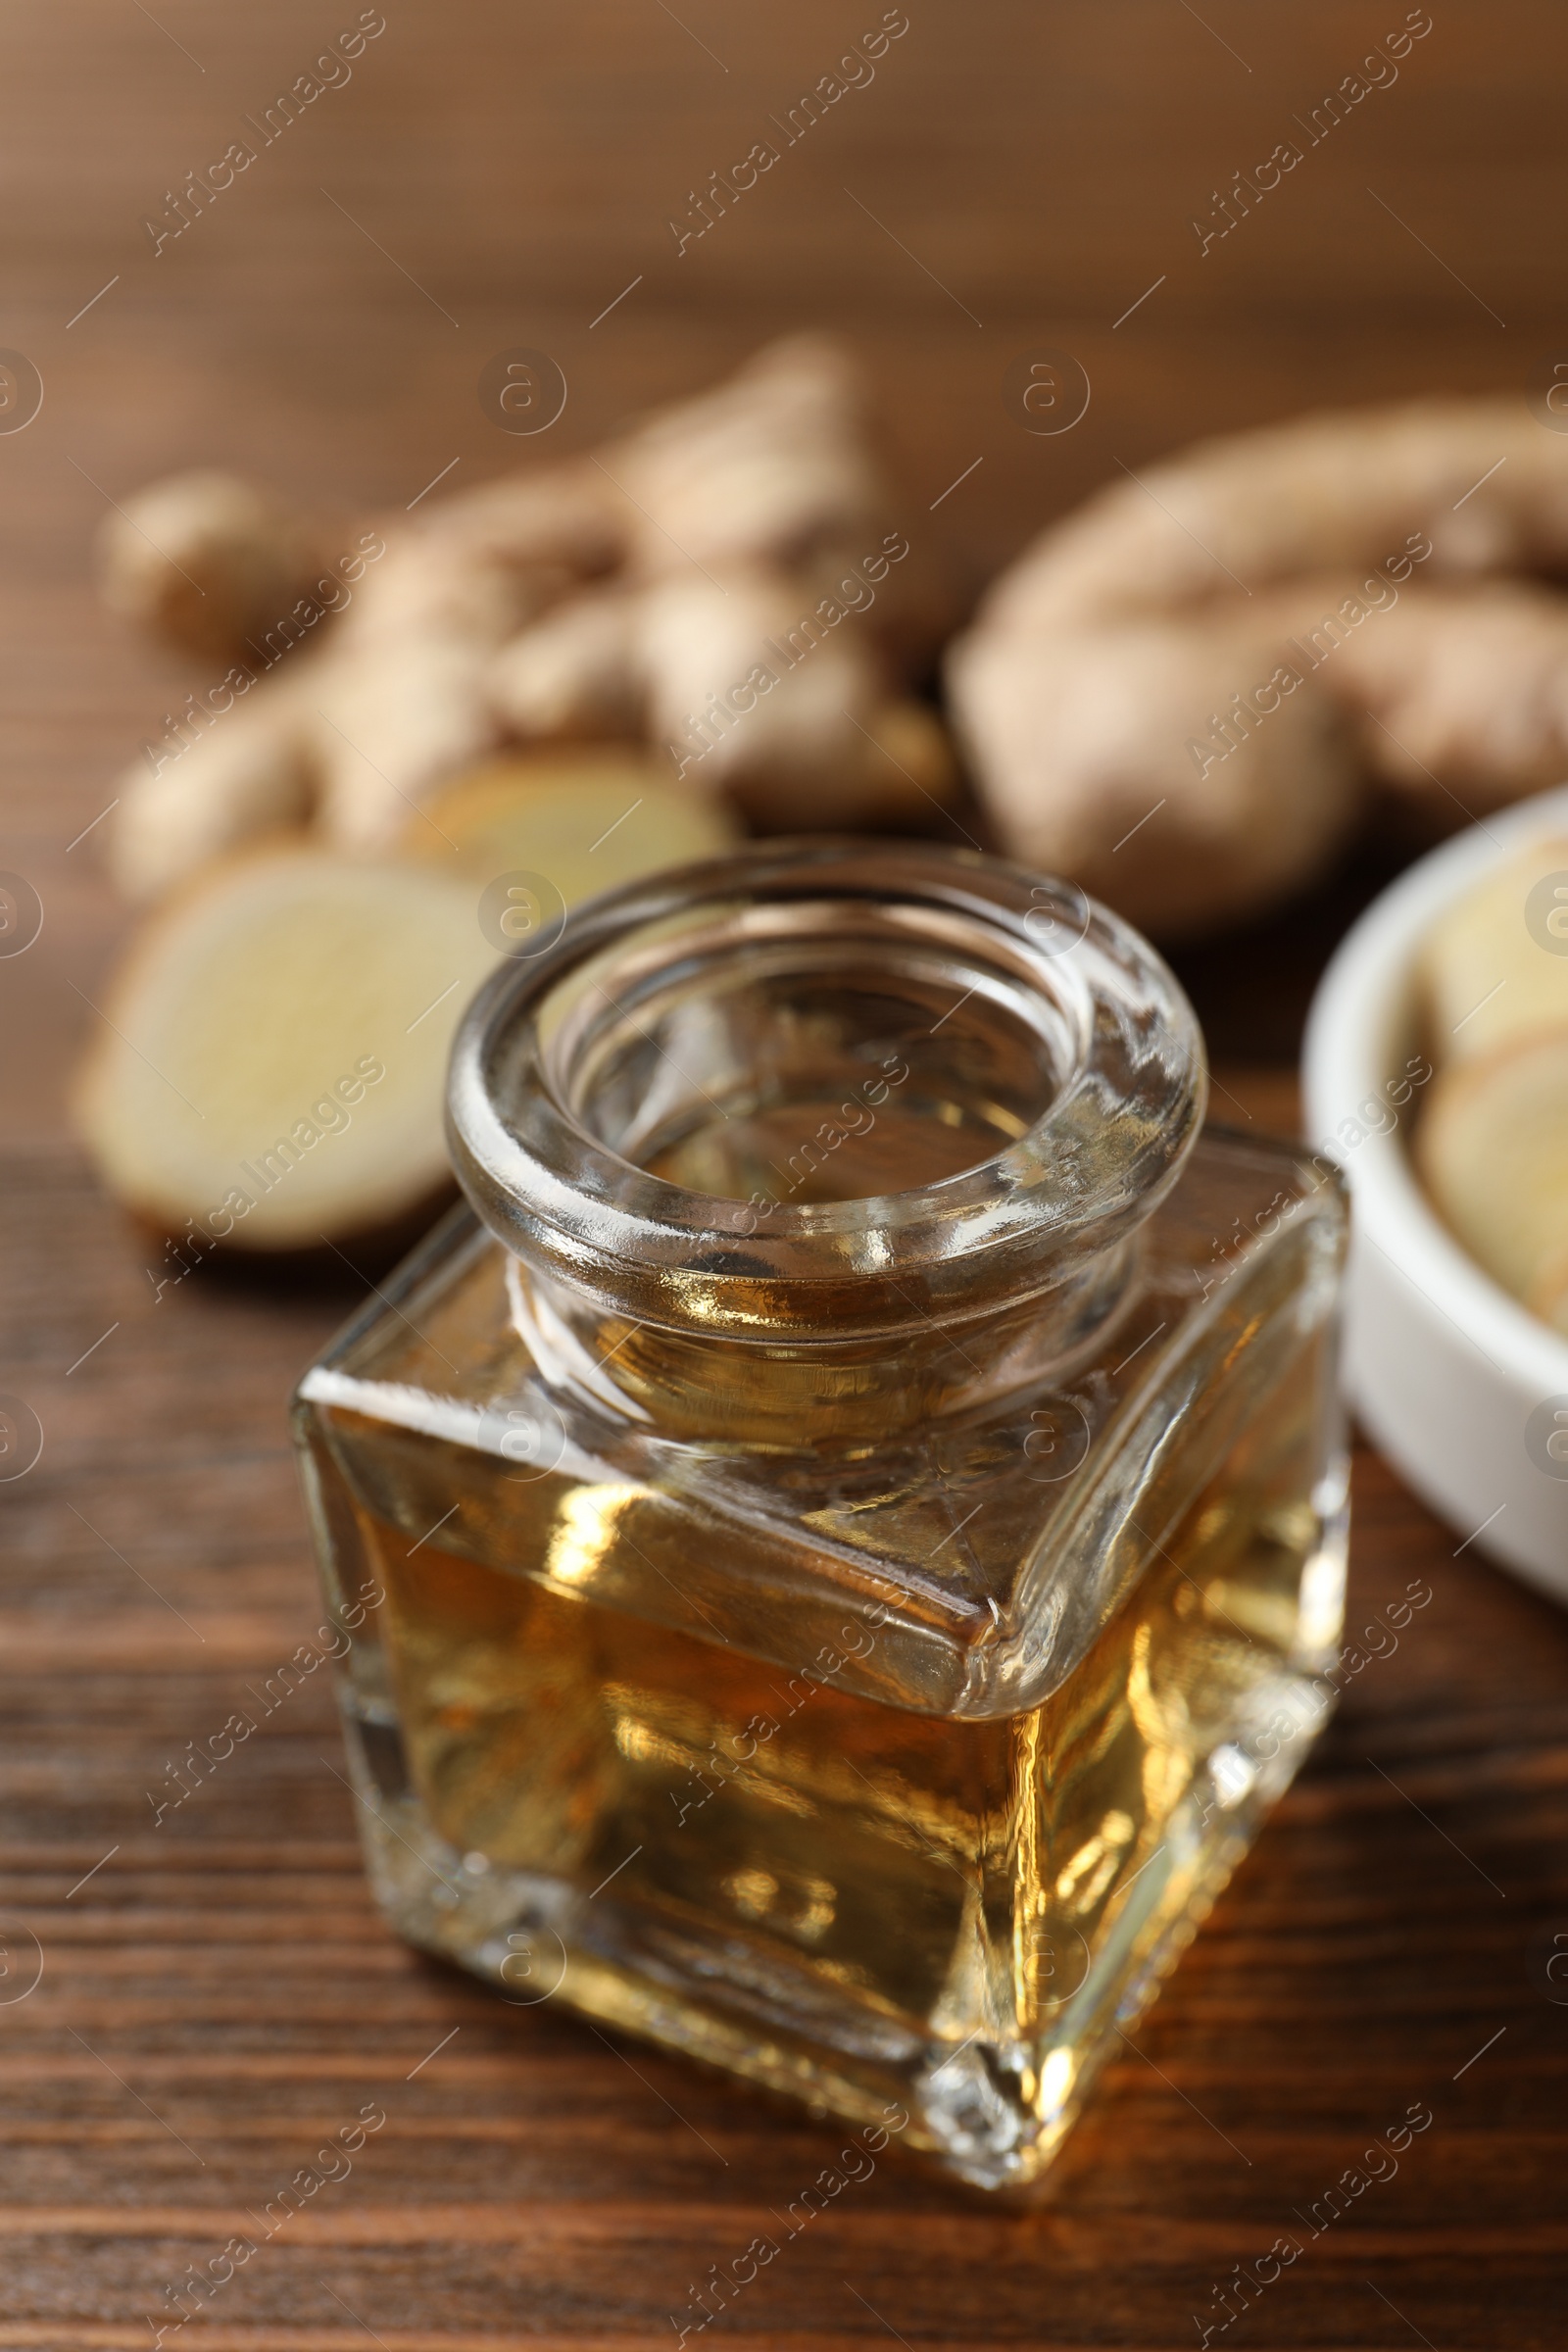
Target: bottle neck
(824,1141)
(793,1394)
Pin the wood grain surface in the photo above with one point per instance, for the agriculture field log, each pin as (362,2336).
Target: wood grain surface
(215,1994)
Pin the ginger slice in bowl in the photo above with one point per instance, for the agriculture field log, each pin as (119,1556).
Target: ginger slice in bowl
(1547,1295)
(1492,1151)
(271,1069)
(1496,966)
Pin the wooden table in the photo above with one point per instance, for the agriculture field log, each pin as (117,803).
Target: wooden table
(215,1994)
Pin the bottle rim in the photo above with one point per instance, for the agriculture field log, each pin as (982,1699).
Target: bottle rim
(1029,1218)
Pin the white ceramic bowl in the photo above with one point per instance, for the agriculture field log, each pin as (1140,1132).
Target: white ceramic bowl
(1451,1378)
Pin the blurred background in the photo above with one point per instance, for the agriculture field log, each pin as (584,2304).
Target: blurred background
(1007,181)
(1013,178)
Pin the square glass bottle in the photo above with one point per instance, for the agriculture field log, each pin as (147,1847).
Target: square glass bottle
(836,1540)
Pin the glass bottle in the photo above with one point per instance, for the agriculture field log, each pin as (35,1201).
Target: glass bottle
(835,1542)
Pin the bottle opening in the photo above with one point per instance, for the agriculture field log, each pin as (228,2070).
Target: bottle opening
(820,1052)
(820,1087)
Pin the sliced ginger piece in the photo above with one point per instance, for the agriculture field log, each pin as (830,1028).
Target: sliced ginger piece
(271,1072)
(1493,1150)
(586,821)
(1547,1295)
(1496,966)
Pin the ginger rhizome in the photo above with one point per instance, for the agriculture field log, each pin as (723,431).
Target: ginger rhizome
(730,584)
(1183,695)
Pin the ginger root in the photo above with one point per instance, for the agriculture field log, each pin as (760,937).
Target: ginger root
(576,673)
(773,475)
(248,778)
(207,562)
(388,730)
(1081,743)
(1330,493)
(727,583)
(1232,650)
(1457,698)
